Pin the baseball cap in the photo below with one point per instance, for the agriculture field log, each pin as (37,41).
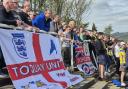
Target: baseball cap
(122,43)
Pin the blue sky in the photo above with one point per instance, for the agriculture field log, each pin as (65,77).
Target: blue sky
(105,12)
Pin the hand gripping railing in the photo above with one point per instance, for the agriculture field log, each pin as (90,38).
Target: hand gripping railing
(10,27)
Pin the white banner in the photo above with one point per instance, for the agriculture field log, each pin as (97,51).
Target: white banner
(83,59)
(34,60)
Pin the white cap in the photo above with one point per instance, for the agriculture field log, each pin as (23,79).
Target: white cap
(122,43)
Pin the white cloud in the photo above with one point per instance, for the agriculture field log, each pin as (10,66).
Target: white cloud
(105,12)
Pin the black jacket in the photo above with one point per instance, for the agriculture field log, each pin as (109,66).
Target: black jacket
(7,17)
(25,17)
(99,46)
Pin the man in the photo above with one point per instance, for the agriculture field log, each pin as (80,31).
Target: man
(6,15)
(32,15)
(24,13)
(54,24)
(66,39)
(101,53)
(23,16)
(42,21)
(116,52)
(72,25)
(82,34)
(122,57)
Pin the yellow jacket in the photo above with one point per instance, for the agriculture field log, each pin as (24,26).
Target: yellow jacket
(122,56)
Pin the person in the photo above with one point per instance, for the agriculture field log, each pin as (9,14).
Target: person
(7,17)
(6,14)
(62,29)
(24,13)
(42,21)
(82,35)
(54,24)
(72,25)
(122,57)
(109,55)
(127,56)
(32,15)
(116,53)
(66,51)
(101,54)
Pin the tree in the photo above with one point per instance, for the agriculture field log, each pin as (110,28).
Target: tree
(79,7)
(108,29)
(85,25)
(94,27)
(67,9)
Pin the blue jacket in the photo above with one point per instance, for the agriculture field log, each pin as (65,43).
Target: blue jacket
(41,22)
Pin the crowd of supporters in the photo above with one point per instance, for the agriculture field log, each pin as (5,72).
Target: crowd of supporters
(107,49)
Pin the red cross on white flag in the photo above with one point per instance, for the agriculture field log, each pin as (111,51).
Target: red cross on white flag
(30,62)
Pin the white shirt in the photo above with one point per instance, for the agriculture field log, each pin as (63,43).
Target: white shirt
(116,50)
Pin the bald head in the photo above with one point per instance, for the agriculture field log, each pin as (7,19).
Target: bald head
(10,4)
(6,4)
(6,1)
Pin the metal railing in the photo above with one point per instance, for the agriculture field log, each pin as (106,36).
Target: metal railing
(85,42)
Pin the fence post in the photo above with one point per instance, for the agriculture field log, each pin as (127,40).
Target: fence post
(86,48)
(87,51)
(72,59)
(95,60)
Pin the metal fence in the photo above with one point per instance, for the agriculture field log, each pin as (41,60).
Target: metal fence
(85,43)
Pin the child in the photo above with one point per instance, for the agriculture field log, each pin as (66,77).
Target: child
(122,57)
